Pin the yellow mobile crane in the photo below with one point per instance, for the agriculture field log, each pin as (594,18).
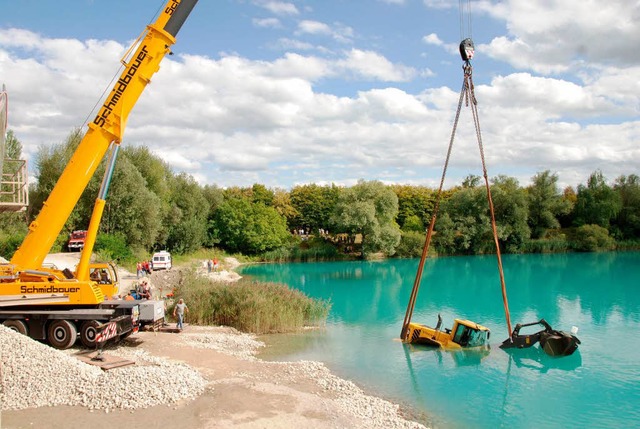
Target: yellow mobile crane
(58,306)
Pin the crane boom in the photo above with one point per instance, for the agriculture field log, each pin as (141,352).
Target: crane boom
(107,127)
(60,306)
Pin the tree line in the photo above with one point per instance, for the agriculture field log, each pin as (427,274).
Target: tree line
(149,207)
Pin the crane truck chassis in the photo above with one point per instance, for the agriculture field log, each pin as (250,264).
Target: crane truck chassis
(58,306)
(61,326)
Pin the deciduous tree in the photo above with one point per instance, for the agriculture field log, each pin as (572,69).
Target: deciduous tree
(414,201)
(188,219)
(314,205)
(464,226)
(369,209)
(546,203)
(628,219)
(597,203)
(244,226)
(511,212)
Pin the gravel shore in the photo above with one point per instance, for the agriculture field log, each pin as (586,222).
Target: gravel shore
(208,377)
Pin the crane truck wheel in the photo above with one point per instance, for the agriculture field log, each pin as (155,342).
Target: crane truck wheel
(62,334)
(17,325)
(88,332)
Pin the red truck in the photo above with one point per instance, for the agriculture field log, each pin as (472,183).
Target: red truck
(76,240)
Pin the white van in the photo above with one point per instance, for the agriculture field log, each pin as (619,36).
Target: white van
(161,261)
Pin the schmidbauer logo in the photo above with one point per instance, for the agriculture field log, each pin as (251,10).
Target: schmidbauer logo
(48,289)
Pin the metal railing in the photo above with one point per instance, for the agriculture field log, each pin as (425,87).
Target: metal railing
(14,192)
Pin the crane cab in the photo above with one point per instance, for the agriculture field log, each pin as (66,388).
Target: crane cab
(106,277)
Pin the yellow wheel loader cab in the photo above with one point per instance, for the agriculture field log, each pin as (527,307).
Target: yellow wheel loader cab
(463,334)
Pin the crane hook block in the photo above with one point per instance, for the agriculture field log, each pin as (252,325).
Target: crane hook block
(466,49)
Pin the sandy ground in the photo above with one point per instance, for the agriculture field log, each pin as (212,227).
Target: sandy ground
(243,392)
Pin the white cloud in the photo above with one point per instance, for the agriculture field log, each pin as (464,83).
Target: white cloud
(298,45)
(279,7)
(314,27)
(370,64)
(427,73)
(339,32)
(557,98)
(432,39)
(440,4)
(267,22)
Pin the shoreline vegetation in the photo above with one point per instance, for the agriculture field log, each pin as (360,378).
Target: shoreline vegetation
(249,306)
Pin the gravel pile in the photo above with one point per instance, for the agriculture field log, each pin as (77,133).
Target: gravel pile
(372,412)
(35,375)
(229,341)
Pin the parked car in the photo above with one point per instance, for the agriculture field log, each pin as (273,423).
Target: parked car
(161,261)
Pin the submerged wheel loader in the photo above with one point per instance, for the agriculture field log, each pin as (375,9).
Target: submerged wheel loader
(463,334)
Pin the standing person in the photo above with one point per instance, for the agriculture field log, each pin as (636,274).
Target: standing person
(179,311)
(215,265)
(209,265)
(145,290)
(147,267)
(139,269)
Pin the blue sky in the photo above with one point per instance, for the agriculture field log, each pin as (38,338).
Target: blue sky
(292,92)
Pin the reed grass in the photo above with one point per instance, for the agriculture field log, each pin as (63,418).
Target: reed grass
(624,245)
(546,245)
(249,306)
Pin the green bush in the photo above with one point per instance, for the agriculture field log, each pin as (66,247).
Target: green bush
(249,306)
(592,238)
(411,244)
(113,247)
(9,243)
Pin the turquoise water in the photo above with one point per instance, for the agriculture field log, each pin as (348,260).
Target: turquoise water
(597,387)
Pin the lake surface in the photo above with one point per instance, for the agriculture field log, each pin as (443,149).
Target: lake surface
(596,387)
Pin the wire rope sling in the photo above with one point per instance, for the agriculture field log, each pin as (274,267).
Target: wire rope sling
(468,98)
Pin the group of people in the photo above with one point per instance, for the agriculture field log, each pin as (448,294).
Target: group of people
(213,265)
(143,268)
(142,291)
(306,231)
